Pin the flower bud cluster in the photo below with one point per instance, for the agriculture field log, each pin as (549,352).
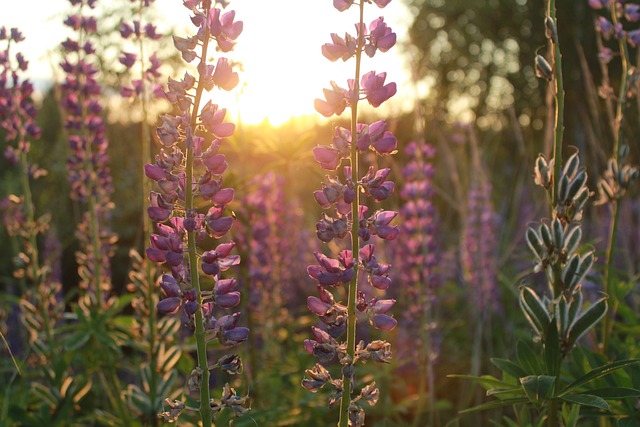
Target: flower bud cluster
(479,246)
(188,205)
(572,190)
(616,28)
(345,217)
(138,32)
(17,120)
(88,163)
(417,255)
(615,181)
(168,205)
(17,112)
(557,251)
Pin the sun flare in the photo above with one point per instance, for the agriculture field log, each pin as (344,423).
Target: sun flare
(281,73)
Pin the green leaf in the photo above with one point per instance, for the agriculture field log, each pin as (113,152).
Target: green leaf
(570,414)
(528,359)
(552,354)
(488,382)
(587,400)
(599,372)
(496,404)
(534,309)
(514,391)
(509,367)
(615,393)
(587,320)
(538,388)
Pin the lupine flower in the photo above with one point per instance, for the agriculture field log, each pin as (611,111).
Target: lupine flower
(632,12)
(375,89)
(336,101)
(181,227)
(479,245)
(351,218)
(17,119)
(380,37)
(340,48)
(88,164)
(417,258)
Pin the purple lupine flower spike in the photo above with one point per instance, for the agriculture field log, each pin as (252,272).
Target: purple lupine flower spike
(347,218)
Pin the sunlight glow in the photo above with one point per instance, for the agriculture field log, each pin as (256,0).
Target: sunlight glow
(283,70)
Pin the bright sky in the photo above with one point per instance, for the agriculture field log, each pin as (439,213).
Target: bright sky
(284,70)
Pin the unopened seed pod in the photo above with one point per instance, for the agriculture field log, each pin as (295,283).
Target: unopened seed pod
(581,198)
(534,310)
(578,182)
(571,166)
(570,271)
(606,192)
(545,233)
(543,69)
(541,172)
(535,243)
(551,30)
(557,231)
(572,240)
(586,262)
(563,188)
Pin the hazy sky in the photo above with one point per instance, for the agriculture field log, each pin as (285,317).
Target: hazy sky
(280,48)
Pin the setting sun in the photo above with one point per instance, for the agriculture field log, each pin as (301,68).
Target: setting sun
(281,74)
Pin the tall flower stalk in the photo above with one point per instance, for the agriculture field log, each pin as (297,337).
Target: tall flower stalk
(17,119)
(556,316)
(190,168)
(416,257)
(88,163)
(352,219)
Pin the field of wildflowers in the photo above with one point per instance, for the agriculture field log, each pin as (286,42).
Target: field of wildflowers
(174,265)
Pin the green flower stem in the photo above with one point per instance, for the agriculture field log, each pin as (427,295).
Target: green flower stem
(552,415)
(355,240)
(201,343)
(559,98)
(615,211)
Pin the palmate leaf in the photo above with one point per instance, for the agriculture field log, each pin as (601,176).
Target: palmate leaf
(597,373)
(587,400)
(538,388)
